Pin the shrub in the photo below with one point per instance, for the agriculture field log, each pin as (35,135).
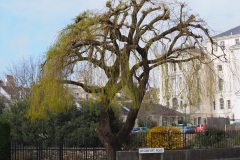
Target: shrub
(212,137)
(236,138)
(165,137)
(5,144)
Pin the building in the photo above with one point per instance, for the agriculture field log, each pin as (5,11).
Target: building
(162,115)
(181,92)
(10,92)
(78,92)
(224,100)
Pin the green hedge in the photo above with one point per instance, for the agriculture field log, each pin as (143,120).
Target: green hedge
(5,144)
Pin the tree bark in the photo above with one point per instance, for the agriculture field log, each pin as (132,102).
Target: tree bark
(106,136)
(113,141)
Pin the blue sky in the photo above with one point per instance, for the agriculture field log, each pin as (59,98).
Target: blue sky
(29,27)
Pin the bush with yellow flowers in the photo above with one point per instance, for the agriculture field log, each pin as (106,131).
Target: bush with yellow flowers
(166,137)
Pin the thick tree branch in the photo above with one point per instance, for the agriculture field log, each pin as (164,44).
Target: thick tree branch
(149,26)
(89,89)
(93,43)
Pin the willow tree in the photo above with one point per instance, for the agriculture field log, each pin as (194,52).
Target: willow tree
(125,42)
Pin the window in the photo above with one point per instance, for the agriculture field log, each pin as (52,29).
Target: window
(173,67)
(165,87)
(198,83)
(199,103)
(222,45)
(164,121)
(199,120)
(221,103)
(215,47)
(214,105)
(172,120)
(173,83)
(180,65)
(180,83)
(229,104)
(219,67)
(181,104)
(167,103)
(195,121)
(220,84)
(237,41)
(180,120)
(175,102)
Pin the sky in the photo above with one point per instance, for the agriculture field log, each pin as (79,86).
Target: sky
(29,27)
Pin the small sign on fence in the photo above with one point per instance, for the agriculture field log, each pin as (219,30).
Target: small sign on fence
(150,150)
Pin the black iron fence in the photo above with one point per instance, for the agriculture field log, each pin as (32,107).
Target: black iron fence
(58,151)
(173,141)
(167,140)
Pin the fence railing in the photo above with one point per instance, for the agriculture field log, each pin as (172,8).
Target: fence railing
(168,141)
(60,151)
(171,141)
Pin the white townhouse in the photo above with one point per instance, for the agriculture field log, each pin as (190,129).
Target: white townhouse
(175,86)
(225,101)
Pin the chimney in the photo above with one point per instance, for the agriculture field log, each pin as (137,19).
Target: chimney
(82,80)
(9,81)
(1,83)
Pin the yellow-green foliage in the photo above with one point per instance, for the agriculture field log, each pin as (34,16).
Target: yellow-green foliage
(166,137)
(50,95)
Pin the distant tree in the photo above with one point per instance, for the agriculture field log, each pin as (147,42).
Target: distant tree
(119,47)
(24,71)
(22,129)
(2,104)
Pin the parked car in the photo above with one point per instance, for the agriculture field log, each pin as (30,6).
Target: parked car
(139,129)
(188,129)
(200,128)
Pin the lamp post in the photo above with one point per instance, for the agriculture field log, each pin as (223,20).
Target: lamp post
(184,124)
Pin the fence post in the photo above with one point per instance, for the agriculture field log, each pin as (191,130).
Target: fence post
(61,151)
(38,150)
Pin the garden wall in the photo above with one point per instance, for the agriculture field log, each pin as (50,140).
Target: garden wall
(192,154)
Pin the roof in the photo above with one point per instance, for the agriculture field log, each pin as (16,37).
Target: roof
(13,92)
(153,109)
(233,31)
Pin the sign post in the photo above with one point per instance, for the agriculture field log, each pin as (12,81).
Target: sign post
(150,150)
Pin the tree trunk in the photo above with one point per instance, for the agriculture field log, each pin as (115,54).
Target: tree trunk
(110,145)
(113,141)
(111,152)
(106,136)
